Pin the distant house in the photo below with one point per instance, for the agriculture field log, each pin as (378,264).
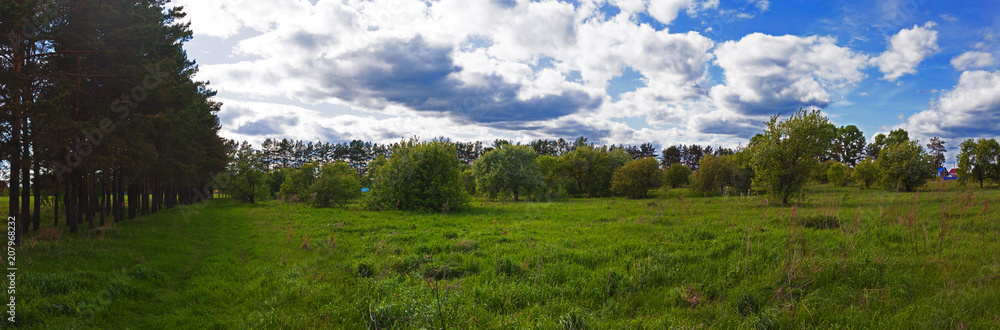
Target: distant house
(947,174)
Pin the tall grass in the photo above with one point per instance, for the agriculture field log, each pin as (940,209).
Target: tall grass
(840,257)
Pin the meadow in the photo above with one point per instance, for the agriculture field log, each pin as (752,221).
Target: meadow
(838,257)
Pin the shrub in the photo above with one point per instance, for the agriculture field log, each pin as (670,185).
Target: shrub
(905,166)
(274,179)
(510,169)
(298,181)
(677,175)
(636,177)
(337,183)
(838,174)
(866,173)
(589,170)
(819,174)
(554,177)
(714,175)
(469,182)
(418,176)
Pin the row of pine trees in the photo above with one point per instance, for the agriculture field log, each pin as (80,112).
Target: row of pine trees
(101,114)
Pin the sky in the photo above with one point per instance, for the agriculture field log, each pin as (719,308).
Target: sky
(616,71)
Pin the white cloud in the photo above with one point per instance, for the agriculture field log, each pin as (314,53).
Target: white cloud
(973,60)
(666,11)
(768,74)
(906,50)
(970,109)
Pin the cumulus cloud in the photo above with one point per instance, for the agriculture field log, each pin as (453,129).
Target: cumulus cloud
(973,60)
(906,50)
(768,74)
(970,109)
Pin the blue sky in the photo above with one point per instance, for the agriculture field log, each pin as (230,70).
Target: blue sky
(625,71)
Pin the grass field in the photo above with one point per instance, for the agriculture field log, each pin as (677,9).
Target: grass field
(841,257)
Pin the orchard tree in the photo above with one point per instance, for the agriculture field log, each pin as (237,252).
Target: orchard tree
(636,178)
(788,151)
(511,169)
(905,166)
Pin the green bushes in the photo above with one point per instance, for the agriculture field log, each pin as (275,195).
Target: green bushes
(677,175)
(337,184)
(298,181)
(321,185)
(838,174)
(866,173)
(904,166)
(714,175)
(636,177)
(509,170)
(418,176)
(589,170)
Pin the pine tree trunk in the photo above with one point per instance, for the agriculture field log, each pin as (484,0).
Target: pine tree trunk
(71,203)
(36,220)
(82,198)
(92,197)
(25,192)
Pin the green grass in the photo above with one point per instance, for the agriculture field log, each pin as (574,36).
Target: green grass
(842,257)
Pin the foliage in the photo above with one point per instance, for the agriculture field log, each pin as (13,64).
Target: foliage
(905,166)
(672,155)
(298,181)
(881,141)
(819,172)
(838,174)
(469,181)
(866,173)
(589,169)
(337,184)
(418,176)
(677,175)
(637,177)
(554,176)
(246,176)
(786,153)
(715,175)
(510,169)
(743,178)
(936,147)
(978,160)
(274,179)
(850,145)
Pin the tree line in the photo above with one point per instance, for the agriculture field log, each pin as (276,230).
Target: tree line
(442,175)
(101,117)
